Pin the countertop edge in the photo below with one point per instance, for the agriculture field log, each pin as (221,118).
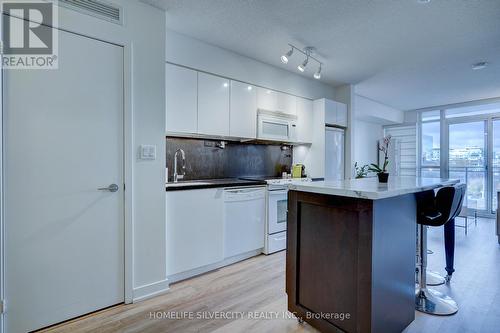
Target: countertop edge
(174,187)
(369,195)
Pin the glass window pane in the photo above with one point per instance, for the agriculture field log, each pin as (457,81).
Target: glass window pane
(496,163)
(467,144)
(473,110)
(430,144)
(475,178)
(281,211)
(468,158)
(431,115)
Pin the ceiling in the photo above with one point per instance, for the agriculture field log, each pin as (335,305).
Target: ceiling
(405,54)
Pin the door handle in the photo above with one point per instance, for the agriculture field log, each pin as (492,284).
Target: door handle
(110,188)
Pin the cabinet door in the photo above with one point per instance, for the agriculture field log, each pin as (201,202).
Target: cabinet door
(243,110)
(304,120)
(194,236)
(286,103)
(330,112)
(181,95)
(213,105)
(341,114)
(266,99)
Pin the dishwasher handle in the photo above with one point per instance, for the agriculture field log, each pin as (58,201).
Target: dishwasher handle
(243,194)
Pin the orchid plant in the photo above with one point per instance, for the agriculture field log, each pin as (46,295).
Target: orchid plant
(384,148)
(361,171)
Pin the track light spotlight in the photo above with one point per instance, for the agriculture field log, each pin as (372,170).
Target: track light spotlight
(308,52)
(303,65)
(317,75)
(284,58)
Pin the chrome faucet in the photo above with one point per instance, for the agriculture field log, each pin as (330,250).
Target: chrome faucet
(183,167)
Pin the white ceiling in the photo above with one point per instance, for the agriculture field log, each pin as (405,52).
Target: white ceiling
(400,52)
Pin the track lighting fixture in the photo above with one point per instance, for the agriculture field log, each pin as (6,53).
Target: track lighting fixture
(302,66)
(284,58)
(308,52)
(317,75)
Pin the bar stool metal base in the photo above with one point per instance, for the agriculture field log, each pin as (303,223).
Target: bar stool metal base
(433,302)
(434,279)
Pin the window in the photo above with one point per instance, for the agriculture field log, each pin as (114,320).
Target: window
(406,137)
(474,110)
(430,143)
(431,137)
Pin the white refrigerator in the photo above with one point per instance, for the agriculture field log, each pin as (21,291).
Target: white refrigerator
(334,153)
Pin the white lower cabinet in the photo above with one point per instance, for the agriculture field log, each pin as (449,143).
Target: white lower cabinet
(211,228)
(195,229)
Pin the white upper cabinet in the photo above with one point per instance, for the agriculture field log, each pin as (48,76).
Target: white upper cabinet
(243,110)
(267,99)
(304,120)
(335,112)
(276,101)
(286,103)
(330,111)
(181,94)
(213,105)
(342,114)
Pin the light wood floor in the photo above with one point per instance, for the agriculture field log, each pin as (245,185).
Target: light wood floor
(257,286)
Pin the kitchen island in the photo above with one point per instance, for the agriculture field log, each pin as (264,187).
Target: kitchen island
(351,248)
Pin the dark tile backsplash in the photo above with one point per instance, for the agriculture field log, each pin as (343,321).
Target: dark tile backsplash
(205,161)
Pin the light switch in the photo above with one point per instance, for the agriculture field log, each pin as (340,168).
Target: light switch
(148,152)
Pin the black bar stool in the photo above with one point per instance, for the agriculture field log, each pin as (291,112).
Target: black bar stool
(435,211)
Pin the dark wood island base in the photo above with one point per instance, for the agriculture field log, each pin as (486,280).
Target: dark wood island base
(350,263)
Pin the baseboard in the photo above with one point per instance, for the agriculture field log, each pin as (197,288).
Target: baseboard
(205,269)
(150,290)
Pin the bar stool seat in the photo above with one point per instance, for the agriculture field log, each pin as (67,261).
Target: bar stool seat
(434,211)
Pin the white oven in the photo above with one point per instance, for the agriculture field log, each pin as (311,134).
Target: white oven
(276,126)
(277,205)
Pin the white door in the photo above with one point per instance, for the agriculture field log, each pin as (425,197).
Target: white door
(334,154)
(64,238)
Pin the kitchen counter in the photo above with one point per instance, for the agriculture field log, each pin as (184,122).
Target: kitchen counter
(370,188)
(211,183)
(350,261)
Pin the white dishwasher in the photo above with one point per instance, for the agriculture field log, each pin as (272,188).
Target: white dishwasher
(244,220)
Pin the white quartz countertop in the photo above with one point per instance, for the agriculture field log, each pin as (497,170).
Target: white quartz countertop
(370,188)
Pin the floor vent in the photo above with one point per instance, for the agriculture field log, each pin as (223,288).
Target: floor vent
(100,9)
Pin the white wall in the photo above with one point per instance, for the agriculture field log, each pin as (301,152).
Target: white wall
(143,35)
(369,118)
(345,94)
(367,135)
(376,112)
(196,54)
